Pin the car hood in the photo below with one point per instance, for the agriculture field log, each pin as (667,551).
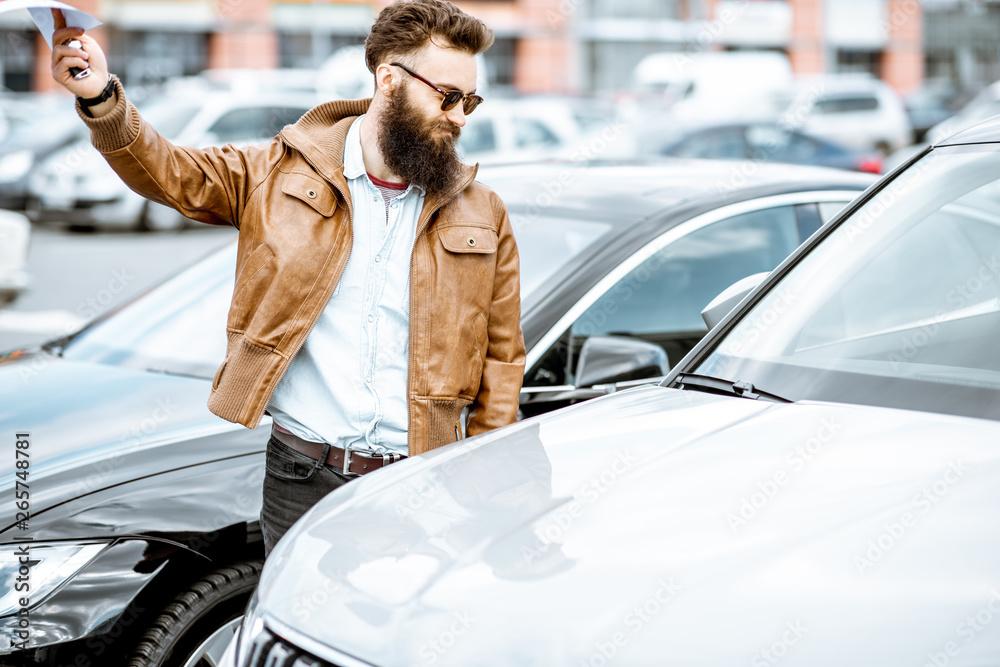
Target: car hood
(657,523)
(93,426)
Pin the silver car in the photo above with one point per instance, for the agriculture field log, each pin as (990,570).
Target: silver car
(816,483)
(76,186)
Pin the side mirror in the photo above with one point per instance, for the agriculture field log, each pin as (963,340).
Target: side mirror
(719,307)
(610,359)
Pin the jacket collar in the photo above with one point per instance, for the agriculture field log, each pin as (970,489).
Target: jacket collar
(320,136)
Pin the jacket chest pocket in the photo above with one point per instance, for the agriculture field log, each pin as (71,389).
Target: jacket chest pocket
(466,265)
(468,240)
(312,192)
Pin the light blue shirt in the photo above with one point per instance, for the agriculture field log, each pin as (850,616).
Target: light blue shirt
(347,384)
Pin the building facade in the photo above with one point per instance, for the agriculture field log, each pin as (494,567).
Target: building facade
(542,45)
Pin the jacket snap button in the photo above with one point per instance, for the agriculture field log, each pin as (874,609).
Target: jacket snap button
(472,241)
(311,194)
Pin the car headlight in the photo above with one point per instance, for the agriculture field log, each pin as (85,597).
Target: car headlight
(32,571)
(250,629)
(14,166)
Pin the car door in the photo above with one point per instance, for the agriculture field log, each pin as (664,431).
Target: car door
(654,299)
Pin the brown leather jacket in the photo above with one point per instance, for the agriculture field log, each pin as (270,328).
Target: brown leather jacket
(291,203)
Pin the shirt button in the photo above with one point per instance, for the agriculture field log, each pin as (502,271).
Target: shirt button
(371,319)
(378,258)
(368,379)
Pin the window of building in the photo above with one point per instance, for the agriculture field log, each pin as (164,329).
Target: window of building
(18,62)
(849,61)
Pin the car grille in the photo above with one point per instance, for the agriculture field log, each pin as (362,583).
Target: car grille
(269,650)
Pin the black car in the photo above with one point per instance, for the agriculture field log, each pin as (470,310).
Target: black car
(138,507)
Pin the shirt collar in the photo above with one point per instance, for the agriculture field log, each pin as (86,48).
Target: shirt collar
(354,160)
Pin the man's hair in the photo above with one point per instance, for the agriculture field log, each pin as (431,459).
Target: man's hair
(406,26)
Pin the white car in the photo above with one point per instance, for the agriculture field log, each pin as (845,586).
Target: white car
(856,111)
(516,130)
(77,187)
(816,483)
(15,233)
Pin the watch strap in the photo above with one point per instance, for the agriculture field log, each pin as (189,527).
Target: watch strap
(106,94)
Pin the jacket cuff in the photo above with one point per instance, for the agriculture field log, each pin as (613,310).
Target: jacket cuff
(115,129)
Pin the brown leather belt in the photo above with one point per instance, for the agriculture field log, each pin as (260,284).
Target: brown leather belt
(359,461)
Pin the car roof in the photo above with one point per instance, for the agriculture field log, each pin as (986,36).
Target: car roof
(626,192)
(986,132)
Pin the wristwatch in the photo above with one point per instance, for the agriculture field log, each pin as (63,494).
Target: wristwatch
(106,94)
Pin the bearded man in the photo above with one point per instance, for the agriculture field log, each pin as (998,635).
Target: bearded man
(377,287)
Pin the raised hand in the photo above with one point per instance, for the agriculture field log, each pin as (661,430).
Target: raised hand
(88,54)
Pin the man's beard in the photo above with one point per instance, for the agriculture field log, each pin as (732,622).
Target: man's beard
(411,150)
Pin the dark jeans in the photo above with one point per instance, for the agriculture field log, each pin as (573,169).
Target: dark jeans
(293,483)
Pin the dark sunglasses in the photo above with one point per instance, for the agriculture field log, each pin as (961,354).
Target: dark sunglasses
(451,97)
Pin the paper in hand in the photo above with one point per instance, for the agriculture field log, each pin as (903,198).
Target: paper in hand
(42,15)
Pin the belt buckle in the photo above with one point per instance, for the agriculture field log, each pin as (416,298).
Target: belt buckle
(347,460)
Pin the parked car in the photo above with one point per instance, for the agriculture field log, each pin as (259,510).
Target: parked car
(516,130)
(42,128)
(929,106)
(700,84)
(857,111)
(144,506)
(813,484)
(76,186)
(766,142)
(15,234)
(984,105)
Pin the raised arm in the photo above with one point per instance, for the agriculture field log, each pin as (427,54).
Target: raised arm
(209,185)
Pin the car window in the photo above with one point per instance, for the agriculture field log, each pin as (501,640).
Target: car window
(846,104)
(252,124)
(774,143)
(529,132)
(724,144)
(178,327)
(478,137)
(661,300)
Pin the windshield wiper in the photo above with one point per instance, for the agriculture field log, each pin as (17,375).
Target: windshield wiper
(714,385)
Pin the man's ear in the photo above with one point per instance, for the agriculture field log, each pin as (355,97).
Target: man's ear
(386,78)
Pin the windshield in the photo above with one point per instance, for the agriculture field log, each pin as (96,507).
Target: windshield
(178,327)
(898,307)
(546,247)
